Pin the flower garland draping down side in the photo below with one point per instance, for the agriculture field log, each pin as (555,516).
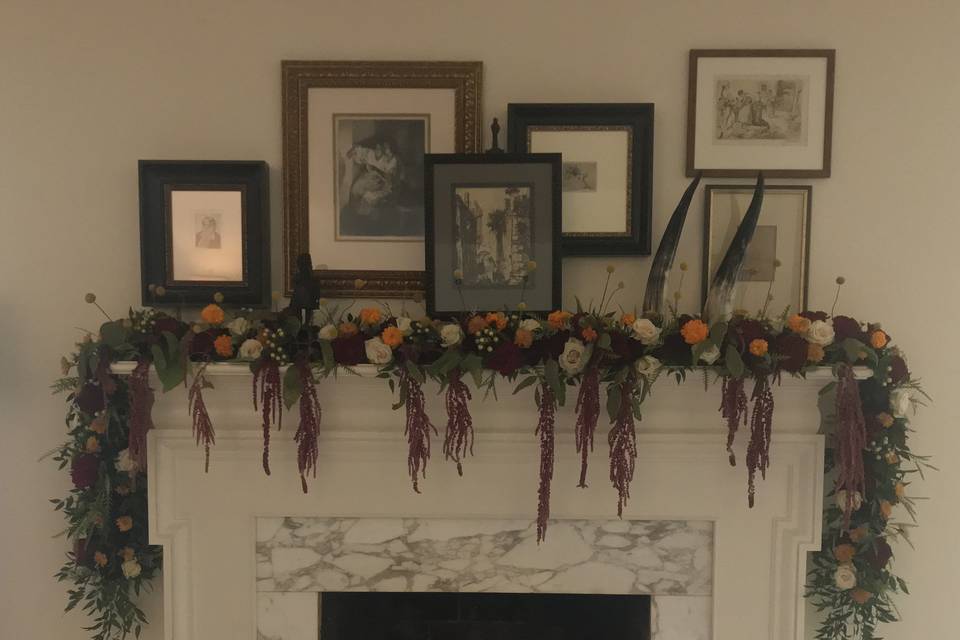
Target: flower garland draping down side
(108,416)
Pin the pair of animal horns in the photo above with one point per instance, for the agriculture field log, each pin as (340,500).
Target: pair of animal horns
(719,304)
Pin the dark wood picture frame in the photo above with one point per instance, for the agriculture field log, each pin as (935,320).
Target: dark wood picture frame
(158,179)
(697,54)
(748,189)
(637,118)
(553,160)
(465,78)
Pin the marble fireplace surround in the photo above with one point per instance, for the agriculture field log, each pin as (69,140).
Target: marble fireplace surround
(207,523)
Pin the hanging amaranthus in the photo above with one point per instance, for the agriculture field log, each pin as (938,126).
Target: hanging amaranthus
(141,406)
(458,438)
(268,399)
(546,426)
(851,439)
(417,429)
(588,414)
(733,409)
(202,425)
(309,429)
(623,444)
(761,426)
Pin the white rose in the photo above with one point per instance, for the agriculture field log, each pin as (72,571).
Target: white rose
(239,326)
(450,335)
(125,462)
(131,569)
(574,357)
(250,349)
(648,367)
(710,355)
(855,504)
(377,351)
(846,577)
(900,402)
(530,325)
(820,332)
(405,325)
(328,332)
(645,331)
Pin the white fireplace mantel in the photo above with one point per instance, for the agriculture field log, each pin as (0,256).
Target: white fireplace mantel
(206,522)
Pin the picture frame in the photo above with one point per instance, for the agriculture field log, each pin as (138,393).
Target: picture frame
(607,200)
(782,233)
(769,110)
(488,217)
(352,175)
(204,229)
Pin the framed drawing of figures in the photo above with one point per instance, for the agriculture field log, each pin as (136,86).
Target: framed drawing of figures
(204,228)
(776,269)
(354,138)
(493,232)
(760,109)
(607,170)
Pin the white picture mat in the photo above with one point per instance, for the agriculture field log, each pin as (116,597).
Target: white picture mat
(193,263)
(323,104)
(710,155)
(603,210)
(785,209)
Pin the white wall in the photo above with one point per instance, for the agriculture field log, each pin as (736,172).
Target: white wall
(86,89)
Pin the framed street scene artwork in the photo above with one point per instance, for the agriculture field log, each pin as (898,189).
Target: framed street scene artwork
(493,232)
(354,139)
(607,170)
(767,110)
(204,228)
(778,256)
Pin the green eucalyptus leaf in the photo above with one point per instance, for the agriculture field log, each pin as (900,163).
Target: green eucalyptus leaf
(113,334)
(734,362)
(415,372)
(614,394)
(526,382)
(291,387)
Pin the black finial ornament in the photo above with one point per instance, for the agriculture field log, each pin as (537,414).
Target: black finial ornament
(495,133)
(306,294)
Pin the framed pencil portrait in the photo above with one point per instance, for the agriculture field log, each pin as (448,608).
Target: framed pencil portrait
(493,232)
(767,110)
(776,270)
(354,139)
(607,170)
(204,229)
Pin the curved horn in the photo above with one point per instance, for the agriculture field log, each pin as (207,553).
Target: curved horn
(719,304)
(655,296)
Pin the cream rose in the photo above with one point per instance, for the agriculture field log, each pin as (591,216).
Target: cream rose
(131,569)
(250,349)
(645,331)
(648,367)
(377,351)
(820,332)
(239,326)
(125,462)
(328,332)
(900,402)
(450,335)
(855,503)
(530,325)
(845,577)
(574,357)
(405,325)
(710,355)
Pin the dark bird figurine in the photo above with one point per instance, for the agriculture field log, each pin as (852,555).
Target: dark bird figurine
(306,294)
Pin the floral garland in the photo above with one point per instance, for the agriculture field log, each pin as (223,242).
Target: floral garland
(590,350)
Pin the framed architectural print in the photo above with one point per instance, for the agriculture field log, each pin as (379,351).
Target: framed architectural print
(493,232)
(354,138)
(205,228)
(607,170)
(778,256)
(767,110)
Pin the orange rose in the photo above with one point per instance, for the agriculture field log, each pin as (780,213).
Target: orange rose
(628,319)
(844,553)
(559,319)
(523,338)
(128,554)
(223,345)
(695,331)
(498,319)
(392,337)
(859,534)
(890,457)
(212,314)
(476,324)
(347,329)
(885,420)
(370,316)
(93,445)
(758,347)
(900,490)
(886,509)
(815,352)
(879,339)
(99,424)
(100,559)
(860,596)
(798,324)
(589,334)
(124,523)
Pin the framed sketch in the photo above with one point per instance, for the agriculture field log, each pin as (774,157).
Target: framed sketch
(354,138)
(205,228)
(760,109)
(493,232)
(778,256)
(607,170)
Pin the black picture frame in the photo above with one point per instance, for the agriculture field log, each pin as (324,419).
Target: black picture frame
(444,173)
(160,181)
(637,119)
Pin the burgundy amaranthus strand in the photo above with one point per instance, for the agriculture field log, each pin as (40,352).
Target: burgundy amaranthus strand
(458,439)
(417,430)
(268,399)
(141,406)
(309,429)
(623,445)
(761,428)
(588,414)
(851,438)
(733,408)
(202,425)
(546,427)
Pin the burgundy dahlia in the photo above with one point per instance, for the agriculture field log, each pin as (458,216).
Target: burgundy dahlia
(674,350)
(82,553)
(813,316)
(792,350)
(90,398)
(750,330)
(84,470)
(505,359)
(879,555)
(171,325)
(846,327)
(348,351)
(898,370)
